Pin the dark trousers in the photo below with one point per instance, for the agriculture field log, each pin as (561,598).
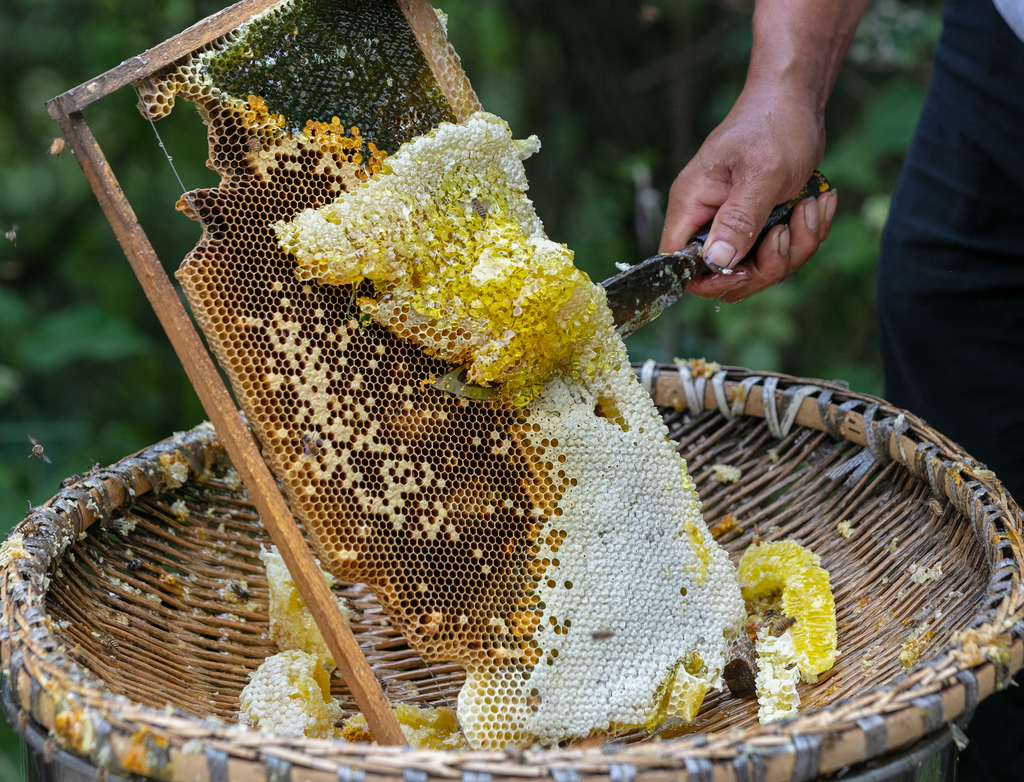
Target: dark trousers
(951,289)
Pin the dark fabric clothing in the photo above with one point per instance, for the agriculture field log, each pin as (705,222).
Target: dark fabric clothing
(951,277)
(951,289)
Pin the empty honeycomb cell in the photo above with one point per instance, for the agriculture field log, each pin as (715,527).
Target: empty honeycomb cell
(451,510)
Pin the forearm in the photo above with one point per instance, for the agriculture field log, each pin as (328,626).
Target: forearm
(765,149)
(799,46)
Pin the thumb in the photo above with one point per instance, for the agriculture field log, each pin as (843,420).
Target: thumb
(692,202)
(737,224)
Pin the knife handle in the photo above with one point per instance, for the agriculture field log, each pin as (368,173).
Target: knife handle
(780,214)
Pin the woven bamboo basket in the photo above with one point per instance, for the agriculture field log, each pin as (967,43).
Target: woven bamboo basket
(136,607)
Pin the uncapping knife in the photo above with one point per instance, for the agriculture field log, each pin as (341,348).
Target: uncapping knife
(642,292)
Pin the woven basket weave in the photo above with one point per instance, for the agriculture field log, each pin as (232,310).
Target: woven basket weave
(136,606)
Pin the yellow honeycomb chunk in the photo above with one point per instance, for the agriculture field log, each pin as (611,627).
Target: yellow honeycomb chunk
(291,623)
(460,261)
(682,692)
(423,728)
(806,598)
(290,695)
(13,548)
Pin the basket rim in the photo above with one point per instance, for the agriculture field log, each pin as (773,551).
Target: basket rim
(48,685)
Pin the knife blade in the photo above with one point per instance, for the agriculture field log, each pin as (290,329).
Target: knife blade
(642,292)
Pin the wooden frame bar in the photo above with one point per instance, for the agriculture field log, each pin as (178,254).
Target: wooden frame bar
(199,366)
(150,61)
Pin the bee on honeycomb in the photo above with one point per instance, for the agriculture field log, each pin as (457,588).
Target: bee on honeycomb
(786,578)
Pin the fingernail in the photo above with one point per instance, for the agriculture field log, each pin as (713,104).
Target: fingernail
(811,214)
(721,254)
(830,208)
(784,241)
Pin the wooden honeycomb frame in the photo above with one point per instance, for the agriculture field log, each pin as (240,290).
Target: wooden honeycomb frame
(67,109)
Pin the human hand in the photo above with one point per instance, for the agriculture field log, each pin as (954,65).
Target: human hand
(761,155)
(784,250)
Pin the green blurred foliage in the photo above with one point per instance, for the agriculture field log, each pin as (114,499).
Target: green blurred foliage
(621,94)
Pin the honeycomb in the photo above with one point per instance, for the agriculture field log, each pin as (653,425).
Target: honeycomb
(291,624)
(290,695)
(777,676)
(311,60)
(423,728)
(554,548)
(806,597)
(460,263)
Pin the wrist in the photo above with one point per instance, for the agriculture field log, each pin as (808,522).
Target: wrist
(782,107)
(798,48)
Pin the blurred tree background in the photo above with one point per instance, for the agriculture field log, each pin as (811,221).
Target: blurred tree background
(621,93)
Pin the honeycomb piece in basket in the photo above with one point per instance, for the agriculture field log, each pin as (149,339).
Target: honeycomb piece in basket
(806,598)
(291,624)
(290,695)
(424,728)
(507,538)
(777,677)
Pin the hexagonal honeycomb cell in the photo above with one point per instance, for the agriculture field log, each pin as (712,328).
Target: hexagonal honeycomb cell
(554,549)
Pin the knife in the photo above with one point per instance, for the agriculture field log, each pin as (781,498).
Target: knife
(642,292)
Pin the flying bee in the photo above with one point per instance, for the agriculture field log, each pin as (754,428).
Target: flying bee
(602,634)
(37,450)
(239,590)
(311,447)
(12,235)
(109,642)
(57,146)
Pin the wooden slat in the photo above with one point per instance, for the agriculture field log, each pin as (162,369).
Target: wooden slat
(149,62)
(231,429)
(441,57)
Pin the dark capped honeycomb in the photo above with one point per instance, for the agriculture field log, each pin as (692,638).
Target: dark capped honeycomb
(319,59)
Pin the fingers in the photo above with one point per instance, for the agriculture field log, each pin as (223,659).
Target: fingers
(770,266)
(716,286)
(784,250)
